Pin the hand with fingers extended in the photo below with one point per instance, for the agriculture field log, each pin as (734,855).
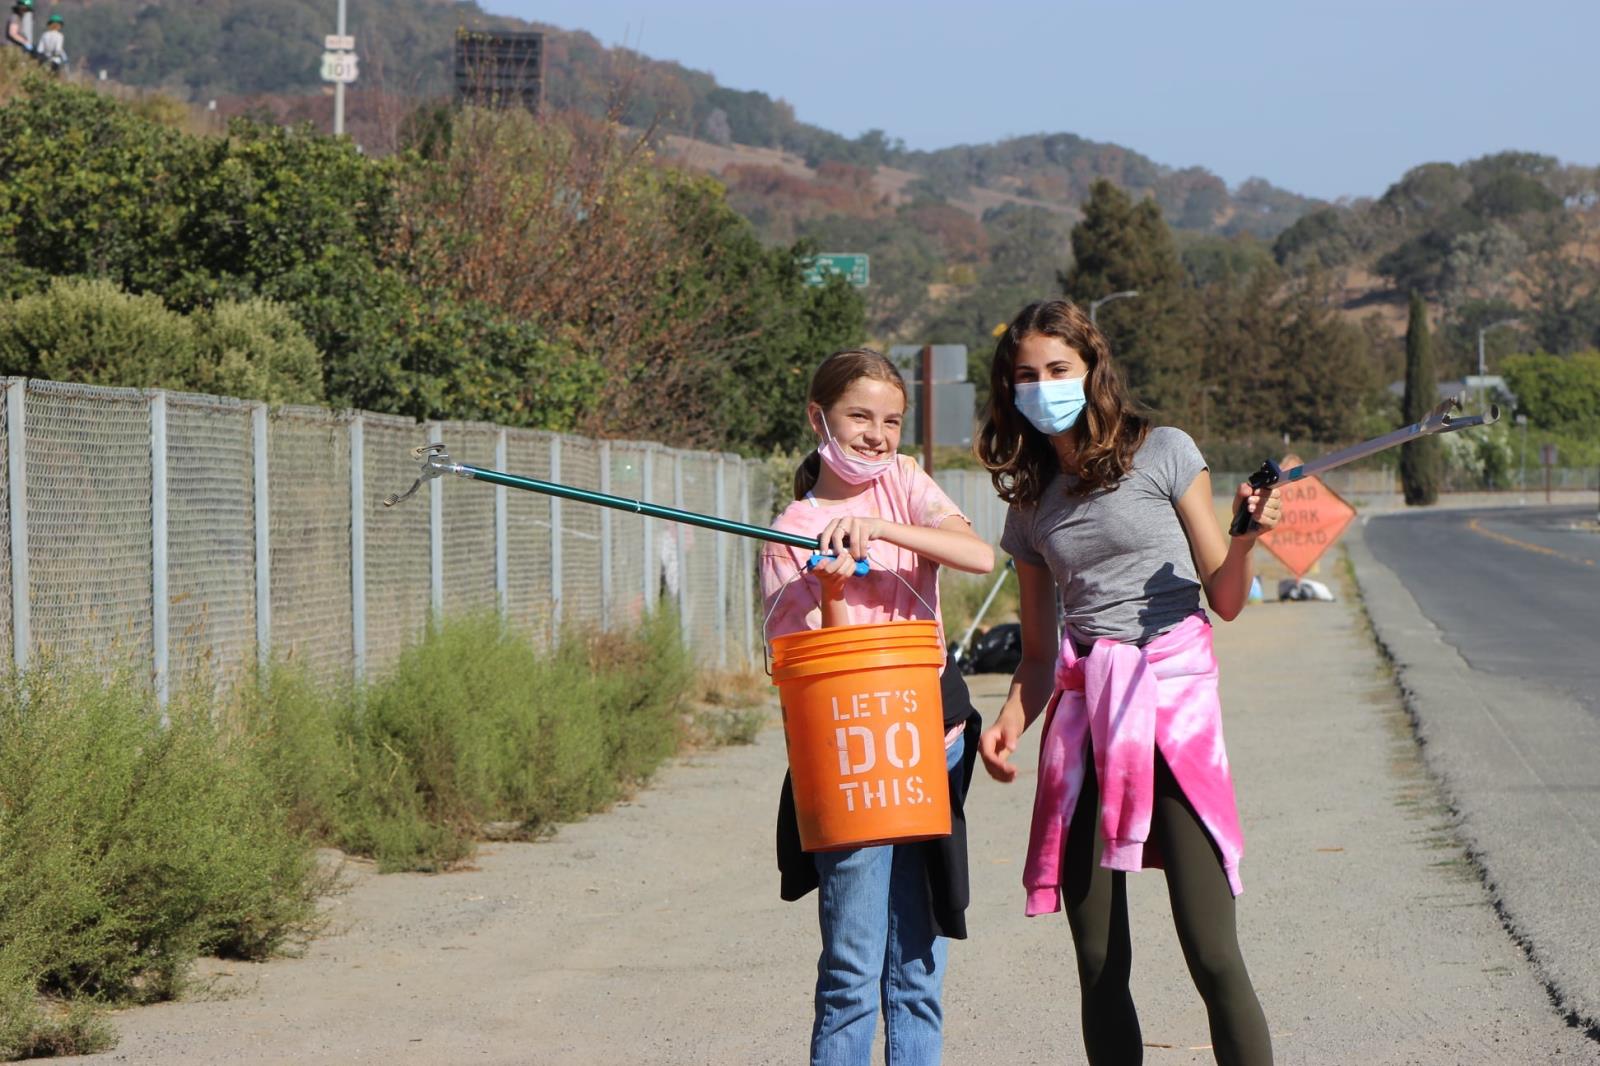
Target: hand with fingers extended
(1000,740)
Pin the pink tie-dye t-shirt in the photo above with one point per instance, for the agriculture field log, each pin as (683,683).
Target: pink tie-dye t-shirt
(906,495)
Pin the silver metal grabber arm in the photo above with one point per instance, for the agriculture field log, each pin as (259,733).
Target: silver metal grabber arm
(436,462)
(1442,419)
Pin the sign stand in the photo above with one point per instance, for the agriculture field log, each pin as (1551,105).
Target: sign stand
(340,67)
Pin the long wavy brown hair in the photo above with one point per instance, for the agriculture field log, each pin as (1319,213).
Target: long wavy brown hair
(836,374)
(1020,459)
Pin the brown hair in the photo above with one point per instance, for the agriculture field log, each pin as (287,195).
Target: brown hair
(1020,459)
(836,374)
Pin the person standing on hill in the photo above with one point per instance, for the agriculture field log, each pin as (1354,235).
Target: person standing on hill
(19,25)
(53,45)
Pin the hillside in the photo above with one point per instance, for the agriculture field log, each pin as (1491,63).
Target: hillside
(230,50)
(957,234)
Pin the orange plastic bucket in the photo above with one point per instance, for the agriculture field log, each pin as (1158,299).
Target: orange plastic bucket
(864,723)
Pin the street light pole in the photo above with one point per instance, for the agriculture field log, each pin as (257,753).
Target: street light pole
(1482,366)
(1094,305)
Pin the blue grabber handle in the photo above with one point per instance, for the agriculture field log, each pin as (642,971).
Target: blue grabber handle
(1268,476)
(862,569)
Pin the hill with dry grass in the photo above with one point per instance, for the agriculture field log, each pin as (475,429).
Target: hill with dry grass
(955,234)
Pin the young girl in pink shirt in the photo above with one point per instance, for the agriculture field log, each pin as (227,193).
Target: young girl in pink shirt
(1114,534)
(885,911)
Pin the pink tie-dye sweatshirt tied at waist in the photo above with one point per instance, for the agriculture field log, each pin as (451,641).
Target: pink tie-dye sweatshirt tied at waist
(1132,701)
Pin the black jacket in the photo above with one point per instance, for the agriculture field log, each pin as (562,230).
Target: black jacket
(949,890)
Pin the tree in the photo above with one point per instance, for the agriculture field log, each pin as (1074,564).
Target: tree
(1243,371)
(1420,461)
(1560,393)
(1326,362)
(1122,245)
(1317,239)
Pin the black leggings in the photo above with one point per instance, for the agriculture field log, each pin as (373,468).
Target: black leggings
(1202,910)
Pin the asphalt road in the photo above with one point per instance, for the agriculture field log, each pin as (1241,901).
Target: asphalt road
(1516,591)
(1492,620)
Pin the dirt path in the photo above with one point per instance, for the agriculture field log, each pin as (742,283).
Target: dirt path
(653,933)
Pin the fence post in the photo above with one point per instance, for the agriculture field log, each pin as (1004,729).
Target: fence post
(263,516)
(160,601)
(677,549)
(605,537)
(555,543)
(652,577)
(747,550)
(722,566)
(358,547)
(17,469)
(435,535)
(502,562)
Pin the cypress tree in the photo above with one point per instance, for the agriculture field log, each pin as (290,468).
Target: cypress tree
(1420,460)
(1120,245)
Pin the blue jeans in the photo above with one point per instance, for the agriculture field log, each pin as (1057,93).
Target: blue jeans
(878,949)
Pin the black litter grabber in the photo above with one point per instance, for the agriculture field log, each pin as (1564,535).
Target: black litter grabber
(1442,419)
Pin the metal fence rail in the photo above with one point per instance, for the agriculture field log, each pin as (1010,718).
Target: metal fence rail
(198,535)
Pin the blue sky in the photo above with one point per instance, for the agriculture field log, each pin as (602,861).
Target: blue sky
(1333,98)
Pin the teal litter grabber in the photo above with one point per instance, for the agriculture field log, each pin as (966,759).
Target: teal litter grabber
(436,462)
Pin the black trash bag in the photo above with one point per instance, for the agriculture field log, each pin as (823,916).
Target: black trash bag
(996,651)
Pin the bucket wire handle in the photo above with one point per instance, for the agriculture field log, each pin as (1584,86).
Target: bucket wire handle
(766,641)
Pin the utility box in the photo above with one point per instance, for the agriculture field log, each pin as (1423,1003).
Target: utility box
(500,68)
(954,397)
(949,362)
(953,414)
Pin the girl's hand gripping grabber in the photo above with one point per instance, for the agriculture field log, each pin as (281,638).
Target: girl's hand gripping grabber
(1439,420)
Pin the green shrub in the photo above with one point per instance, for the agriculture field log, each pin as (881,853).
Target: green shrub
(127,848)
(90,331)
(256,350)
(472,726)
(34,1028)
(292,730)
(87,330)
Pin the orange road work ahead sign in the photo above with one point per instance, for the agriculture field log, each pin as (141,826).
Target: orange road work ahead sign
(1313,517)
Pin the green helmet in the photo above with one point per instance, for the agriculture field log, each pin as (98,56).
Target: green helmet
(57,19)
(24,5)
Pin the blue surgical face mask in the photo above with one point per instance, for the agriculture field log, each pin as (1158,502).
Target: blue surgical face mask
(1052,406)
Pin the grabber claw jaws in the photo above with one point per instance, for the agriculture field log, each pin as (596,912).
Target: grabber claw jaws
(1453,423)
(436,462)
(1443,418)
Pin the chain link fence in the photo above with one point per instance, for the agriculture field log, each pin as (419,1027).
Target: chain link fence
(195,536)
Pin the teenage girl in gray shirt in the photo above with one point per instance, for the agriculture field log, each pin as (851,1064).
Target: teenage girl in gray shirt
(1117,517)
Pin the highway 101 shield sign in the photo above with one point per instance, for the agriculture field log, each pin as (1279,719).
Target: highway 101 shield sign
(1313,517)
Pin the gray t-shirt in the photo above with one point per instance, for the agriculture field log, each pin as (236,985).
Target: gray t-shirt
(1121,559)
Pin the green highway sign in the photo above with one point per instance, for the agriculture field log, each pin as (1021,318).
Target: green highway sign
(853,267)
